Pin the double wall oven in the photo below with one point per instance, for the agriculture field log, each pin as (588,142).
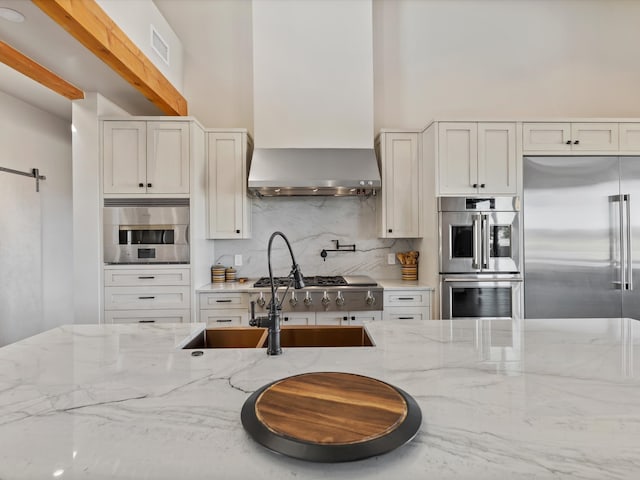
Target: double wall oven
(480,274)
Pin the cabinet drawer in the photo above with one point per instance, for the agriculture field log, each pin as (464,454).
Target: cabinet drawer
(152,276)
(406,313)
(298,318)
(136,298)
(406,298)
(147,316)
(223,300)
(230,318)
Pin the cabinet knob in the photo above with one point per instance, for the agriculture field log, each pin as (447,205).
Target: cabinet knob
(149,185)
(475,185)
(391,230)
(568,142)
(141,185)
(237,231)
(482,185)
(576,142)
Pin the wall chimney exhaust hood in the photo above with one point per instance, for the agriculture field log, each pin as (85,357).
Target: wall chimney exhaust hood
(314,172)
(313,98)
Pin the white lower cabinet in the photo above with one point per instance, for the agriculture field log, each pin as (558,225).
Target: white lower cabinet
(144,294)
(147,316)
(410,304)
(225,318)
(346,318)
(223,309)
(298,318)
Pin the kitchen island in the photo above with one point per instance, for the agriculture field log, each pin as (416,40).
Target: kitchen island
(499,399)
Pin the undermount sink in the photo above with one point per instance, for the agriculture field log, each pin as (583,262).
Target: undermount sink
(290,337)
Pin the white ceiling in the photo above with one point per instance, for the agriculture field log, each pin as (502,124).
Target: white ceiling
(43,40)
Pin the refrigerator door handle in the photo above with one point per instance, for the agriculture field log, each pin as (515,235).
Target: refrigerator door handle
(619,236)
(477,240)
(628,285)
(486,241)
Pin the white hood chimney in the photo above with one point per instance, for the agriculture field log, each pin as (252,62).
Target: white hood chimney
(313,90)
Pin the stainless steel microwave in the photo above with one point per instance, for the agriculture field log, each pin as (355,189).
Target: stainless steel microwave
(149,231)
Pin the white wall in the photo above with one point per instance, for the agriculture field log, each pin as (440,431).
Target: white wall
(443,58)
(446,58)
(87,205)
(218,68)
(31,138)
(135,18)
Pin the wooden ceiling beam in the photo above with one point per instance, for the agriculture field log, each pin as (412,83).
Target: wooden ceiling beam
(91,26)
(25,65)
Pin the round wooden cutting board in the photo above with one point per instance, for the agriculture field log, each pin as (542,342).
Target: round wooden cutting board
(331,416)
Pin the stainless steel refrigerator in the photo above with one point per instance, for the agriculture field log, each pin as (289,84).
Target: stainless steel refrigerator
(581,219)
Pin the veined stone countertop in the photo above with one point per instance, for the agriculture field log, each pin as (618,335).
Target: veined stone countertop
(386,283)
(534,400)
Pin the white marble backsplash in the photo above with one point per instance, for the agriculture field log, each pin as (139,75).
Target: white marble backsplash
(312,224)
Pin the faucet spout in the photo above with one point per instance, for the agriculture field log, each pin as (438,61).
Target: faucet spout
(272,321)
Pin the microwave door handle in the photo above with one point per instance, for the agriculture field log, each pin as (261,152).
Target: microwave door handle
(486,241)
(477,241)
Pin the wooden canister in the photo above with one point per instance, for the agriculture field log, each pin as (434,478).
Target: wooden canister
(218,274)
(410,272)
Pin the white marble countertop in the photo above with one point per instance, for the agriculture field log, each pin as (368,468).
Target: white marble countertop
(549,399)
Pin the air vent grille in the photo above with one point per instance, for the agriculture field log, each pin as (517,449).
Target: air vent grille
(159,45)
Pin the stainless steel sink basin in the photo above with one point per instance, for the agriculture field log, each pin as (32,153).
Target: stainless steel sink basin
(229,337)
(290,337)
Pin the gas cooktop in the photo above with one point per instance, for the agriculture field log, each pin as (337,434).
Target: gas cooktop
(321,281)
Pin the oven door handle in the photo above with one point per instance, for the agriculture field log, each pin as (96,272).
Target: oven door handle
(477,240)
(481,280)
(486,241)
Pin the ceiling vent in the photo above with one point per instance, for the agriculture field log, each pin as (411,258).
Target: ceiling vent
(159,45)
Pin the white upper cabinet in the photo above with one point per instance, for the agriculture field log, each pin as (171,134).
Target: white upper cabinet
(477,157)
(400,199)
(145,157)
(629,134)
(567,137)
(228,204)
(125,157)
(167,157)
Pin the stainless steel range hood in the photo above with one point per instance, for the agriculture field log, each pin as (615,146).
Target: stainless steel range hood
(314,172)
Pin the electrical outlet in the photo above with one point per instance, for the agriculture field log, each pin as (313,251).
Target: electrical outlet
(391,259)
(237,260)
